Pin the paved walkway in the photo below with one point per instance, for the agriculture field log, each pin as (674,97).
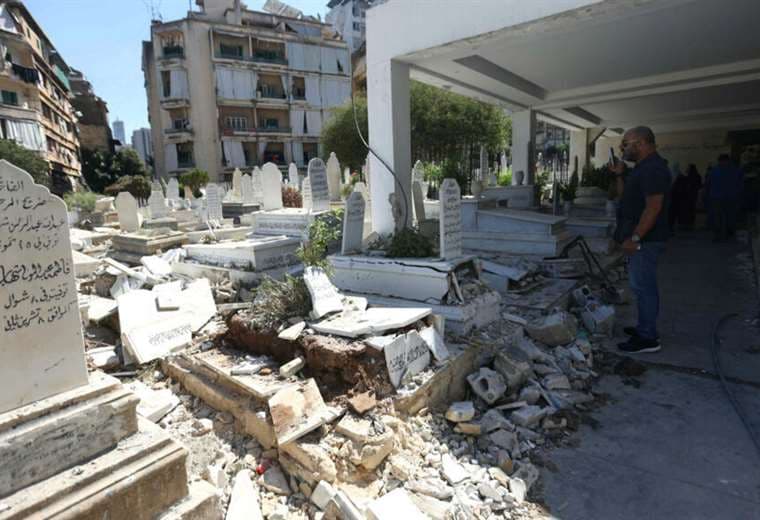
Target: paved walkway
(673,447)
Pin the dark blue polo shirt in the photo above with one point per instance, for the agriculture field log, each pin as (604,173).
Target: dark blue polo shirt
(650,176)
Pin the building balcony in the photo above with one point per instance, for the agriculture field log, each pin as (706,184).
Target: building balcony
(272,96)
(178,132)
(171,102)
(172,52)
(269,57)
(274,130)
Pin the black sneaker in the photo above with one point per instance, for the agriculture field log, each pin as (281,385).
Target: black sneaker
(639,345)
(631,331)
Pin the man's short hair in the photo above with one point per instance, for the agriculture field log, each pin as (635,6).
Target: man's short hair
(723,157)
(644,133)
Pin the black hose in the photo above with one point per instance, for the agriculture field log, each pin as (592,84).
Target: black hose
(724,383)
(369,148)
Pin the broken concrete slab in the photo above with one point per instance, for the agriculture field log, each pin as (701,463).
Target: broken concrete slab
(528,416)
(244,500)
(431,487)
(493,420)
(460,412)
(154,404)
(515,366)
(297,410)
(355,428)
(362,403)
(435,343)
(325,298)
(293,332)
(394,506)
(292,367)
(487,384)
(453,471)
(555,329)
(374,320)
(322,494)
(406,356)
(275,481)
(598,318)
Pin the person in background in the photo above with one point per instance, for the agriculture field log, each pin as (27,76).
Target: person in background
(642,230)
(679,200)
(725,195)
(694,186)
(706,199)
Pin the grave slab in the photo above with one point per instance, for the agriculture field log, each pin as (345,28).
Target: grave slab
(255,254)
(353,224)
(297,410)
(325,298)
(373,321)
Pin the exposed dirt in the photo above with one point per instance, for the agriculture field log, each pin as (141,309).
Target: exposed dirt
(242,336)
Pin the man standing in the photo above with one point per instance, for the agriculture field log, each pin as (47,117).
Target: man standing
(642,230)
(725,194)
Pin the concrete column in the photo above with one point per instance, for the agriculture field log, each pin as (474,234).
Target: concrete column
(390,138)
(523,145)
(578,149)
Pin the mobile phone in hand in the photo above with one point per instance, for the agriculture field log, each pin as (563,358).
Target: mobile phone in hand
(613,159)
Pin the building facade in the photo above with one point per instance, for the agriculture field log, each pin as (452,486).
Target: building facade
(349,19)
(36,108)
(141,142)
(230,88)
(94,132)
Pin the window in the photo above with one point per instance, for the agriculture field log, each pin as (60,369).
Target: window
(10,98)
(271,122)
(185,155)
(180,124)
(357,26)
(237,123)
(46,111)
(230,51)
(166,82)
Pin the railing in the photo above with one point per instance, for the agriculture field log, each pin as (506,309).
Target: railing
(169,131)
(226,55)
(174,51)
(274,129)
(185,164)
(270,93)
(269,57)
(299,94)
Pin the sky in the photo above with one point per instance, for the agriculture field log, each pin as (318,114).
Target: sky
(103,39)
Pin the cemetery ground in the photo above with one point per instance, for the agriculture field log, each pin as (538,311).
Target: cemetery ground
(247,379)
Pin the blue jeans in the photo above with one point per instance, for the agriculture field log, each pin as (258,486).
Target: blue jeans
(642,277)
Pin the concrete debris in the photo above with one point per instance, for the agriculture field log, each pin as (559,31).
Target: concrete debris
(293,332)
(393,506)
(494,420)
(528,416)
(362,403)
(514,365)
(244,502)
(275,481)
(292,367)
(556,382)
(487,384)
(460,412)
(322,494)
(452,471)
(431,486)
(598,318)
(154,404)
(296,410)
(466,428)
(555,329)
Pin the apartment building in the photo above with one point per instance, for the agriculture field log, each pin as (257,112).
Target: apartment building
(143,145)
(36,109)
(349,19)
(92,111)
(232,88)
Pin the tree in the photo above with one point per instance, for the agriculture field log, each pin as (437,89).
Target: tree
(444,126)
(137,185)
(27,160)
(101,169)
(127,162)
(194,179)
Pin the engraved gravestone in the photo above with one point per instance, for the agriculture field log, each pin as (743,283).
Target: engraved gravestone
(246,189)
(129,215)
(320,190)
(214,203)
(271,183)
(306,194)
(450,219)
(172,190)
(258,186)
(293,176)
(419,201)
(41,343)
(237,189)
(353,224)
(333,177)
(157,205)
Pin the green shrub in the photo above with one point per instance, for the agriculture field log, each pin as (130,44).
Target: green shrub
(80,200)
(27,160)
(505,177)
(276,302)
(324,233)
(138,186)
(194,179)
(409,243)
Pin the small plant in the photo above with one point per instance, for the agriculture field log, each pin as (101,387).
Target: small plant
(505,177)
(324,233)
(542,182)
(194,179)
(432,172)
(567,191)
(291,198)
(346,190)
(276,302)
(80,200)
(409,243)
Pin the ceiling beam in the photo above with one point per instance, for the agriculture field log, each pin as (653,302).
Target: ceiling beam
(439,80)
(506,77)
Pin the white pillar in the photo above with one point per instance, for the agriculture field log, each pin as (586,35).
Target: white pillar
(390,138)
(523,145)
(578,150)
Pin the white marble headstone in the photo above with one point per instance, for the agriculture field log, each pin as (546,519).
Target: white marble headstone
(318,183)
(419,201)
(333,177)
(258,185)
(325,297)
(364,190)
(450,215)
(346,176)
(156,186)
(306,194)
(128,210)
(237,188)
(293,176)
(157,205)
(41,343)
(406,356)
(172,190)
(246,189)
(214,203)
(353,224)
(271,178)
(189,193)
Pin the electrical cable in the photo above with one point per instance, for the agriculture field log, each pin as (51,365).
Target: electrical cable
(369,148)
(724,383)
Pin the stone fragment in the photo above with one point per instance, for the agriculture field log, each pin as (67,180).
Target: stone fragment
(530,349)
(522,480)
(461,411)
(292,332)
(394,506)
(291,368)
(432,507)
(354,428)
(504,439)
(345,508)
(322,494)
(528,416)
(468,428)
(296,410)
(553,423)
(486,490)
(556,329)
(599,319)
(244,501)
(362,403)
(154,404)
(325,298)
(576,354)
(275,481)
(487,384)
(556,382)
(374,453)
(216,476)
(435,343)
(530,394)
(515,366)
(494,420)
(400,467)
(505,462)
(432,487)
(452,471)
(499,475)
(203,426)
